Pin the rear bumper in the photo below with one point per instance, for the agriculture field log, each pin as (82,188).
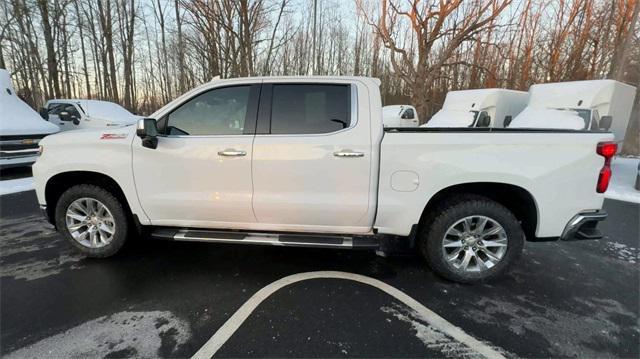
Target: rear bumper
(583,226)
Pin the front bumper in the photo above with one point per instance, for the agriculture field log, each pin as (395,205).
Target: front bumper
(583,226)
(27,160)
(45,213)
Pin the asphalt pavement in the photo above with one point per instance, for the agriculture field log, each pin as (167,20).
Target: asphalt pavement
(167,299)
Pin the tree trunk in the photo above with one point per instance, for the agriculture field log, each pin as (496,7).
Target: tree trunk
(83,49)
(181,66)
(52,62)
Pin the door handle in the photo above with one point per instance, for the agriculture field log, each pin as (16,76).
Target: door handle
(232,153)
(348,153)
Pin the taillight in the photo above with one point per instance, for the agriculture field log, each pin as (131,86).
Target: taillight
(606,150)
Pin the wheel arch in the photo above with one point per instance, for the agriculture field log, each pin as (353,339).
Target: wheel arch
(515,198)
(58,184)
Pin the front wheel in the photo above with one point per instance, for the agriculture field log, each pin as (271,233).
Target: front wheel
(472,239)
(92,219)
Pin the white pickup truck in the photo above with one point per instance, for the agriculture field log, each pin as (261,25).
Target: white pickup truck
(76,114)
(305,161)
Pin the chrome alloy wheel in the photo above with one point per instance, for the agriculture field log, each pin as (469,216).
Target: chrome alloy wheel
(474,244)
(90,222)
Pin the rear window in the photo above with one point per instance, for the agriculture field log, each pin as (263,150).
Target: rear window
(309,109)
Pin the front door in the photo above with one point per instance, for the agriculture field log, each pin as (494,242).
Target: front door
(200,173)
(312,161)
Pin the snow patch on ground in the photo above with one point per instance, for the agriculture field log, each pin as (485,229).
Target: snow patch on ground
(431,337)
(563,330)
(623,252)
(622,186)
(123,334)
(16,185)
(23,236)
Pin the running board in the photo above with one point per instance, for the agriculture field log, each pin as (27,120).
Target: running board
(273,239)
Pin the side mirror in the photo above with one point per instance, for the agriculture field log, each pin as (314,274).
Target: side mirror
(76,121)
(484,120)
(507,121)
(148,131)
(44,113)
(64,116)
(407,115)
(605,123)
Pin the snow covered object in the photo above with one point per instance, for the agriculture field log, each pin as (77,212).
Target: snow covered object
(579,105)
(71,114)
(21,128)
(400,116)
(463,108)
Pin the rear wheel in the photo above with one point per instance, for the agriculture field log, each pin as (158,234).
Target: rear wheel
(472,239)
(92,219)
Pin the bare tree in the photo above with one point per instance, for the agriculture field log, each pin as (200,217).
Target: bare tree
(438,30)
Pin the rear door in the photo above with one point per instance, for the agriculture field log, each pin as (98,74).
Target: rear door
(312,159)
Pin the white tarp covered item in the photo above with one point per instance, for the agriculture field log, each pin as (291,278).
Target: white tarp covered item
(451,118)
(16,117)
(607,97)
(548,118)
(497,103)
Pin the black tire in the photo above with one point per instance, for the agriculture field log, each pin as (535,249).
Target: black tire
(433,234)
(107,199)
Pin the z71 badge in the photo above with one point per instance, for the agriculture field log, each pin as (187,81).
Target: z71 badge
(113,136)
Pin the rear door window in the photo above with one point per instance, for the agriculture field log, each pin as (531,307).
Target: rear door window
(310,108)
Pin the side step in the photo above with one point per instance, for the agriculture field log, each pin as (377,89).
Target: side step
(274,239)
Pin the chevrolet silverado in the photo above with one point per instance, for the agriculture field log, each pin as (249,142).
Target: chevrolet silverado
(305,161)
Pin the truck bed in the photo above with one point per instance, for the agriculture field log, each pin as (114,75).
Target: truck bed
(558,168)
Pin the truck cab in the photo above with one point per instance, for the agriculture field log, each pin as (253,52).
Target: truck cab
(400,116)
(73,114)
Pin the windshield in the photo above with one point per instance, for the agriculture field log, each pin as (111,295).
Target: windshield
(106,110)
(452,118)
(392,111)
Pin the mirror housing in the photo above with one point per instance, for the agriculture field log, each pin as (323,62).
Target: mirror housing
(605,122)
(484,120)
(44,113)
(64,116)
(147,130)
(507,121)
(408,114)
